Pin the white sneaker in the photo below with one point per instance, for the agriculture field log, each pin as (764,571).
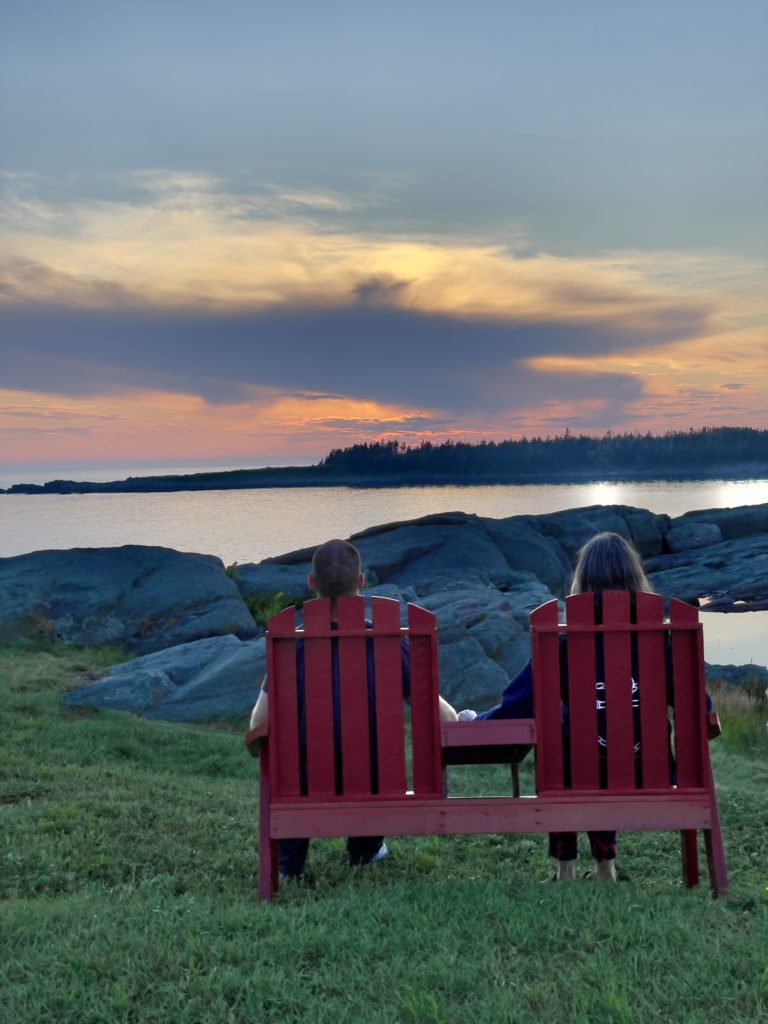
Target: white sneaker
(381,854)
(467,715)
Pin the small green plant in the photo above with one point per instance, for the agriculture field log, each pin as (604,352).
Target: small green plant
(232,571)
(263,606)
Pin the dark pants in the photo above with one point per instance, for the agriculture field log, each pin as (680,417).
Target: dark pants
(562,845)
(292,853)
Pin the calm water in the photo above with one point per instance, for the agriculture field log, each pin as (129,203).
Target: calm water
(246,526)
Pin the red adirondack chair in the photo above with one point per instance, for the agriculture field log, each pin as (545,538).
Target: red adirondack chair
(645,661)
(378,792)
(300,794)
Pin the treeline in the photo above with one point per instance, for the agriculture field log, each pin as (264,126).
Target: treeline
(632,452)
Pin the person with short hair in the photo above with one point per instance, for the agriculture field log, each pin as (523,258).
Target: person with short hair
(336,572)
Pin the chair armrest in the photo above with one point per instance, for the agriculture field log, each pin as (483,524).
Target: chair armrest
(501,741)
(494,732)
(256,739)
(714,729)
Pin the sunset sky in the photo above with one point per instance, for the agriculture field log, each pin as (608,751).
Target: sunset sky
(254,231)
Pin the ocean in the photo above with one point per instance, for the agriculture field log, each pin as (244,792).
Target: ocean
(249,525)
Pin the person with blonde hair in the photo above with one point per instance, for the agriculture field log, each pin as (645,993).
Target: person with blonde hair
(606,562)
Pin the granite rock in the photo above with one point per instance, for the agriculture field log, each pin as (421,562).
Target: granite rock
(732,575)
(734,523)
(264,579)
(481,577)
(202,680)
(693,535)
(139,598)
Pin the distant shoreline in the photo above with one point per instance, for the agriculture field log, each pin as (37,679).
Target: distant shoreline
(321,476)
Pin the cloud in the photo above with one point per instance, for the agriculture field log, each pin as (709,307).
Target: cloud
(384,354)
(181,286)
(182,240)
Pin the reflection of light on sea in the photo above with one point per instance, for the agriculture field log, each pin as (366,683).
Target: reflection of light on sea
(744,492)
(735,638)
(604,494)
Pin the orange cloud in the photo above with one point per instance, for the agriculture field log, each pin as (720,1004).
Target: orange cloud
(166,425)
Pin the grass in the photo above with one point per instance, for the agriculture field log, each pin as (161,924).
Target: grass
(127,893)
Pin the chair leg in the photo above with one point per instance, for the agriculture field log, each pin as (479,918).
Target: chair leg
(718,874)
(268,876)
(690,857)
(713,841)
(267,872)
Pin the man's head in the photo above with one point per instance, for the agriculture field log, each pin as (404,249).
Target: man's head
(336,570)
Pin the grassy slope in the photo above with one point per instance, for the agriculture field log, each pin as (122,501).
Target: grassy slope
(127,894)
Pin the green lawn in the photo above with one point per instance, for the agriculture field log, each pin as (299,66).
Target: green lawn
(127,893)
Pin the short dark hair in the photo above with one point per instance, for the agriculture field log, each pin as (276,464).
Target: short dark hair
(336,568)
(608,562)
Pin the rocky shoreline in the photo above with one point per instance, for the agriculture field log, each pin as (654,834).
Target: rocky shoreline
(200,653)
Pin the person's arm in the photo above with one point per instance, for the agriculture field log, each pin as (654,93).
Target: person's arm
(517,698)
(447,713)
(259,714)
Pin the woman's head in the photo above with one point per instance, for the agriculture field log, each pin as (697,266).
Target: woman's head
(608,562)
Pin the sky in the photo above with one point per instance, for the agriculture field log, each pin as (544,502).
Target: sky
(253,232)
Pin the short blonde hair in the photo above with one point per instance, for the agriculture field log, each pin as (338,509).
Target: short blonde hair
(608,562)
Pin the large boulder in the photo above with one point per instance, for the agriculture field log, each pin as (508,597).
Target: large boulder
(415,554)
(267,578)
(572,528)
(693,535)
(646,530)
(451,544)
(482,634)
(139,598)
(481,577)
(525,548)
(192,682)
(734,573)
(733,522)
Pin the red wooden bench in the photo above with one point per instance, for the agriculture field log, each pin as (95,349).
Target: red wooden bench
(301,793)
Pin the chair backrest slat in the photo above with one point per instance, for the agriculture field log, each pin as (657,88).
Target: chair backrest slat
(353,700)
(581,664)
(283,704)
(545,654)
(425,723)
(318,698)
(651,672)
(617,696)
(688,688)
(390,722)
